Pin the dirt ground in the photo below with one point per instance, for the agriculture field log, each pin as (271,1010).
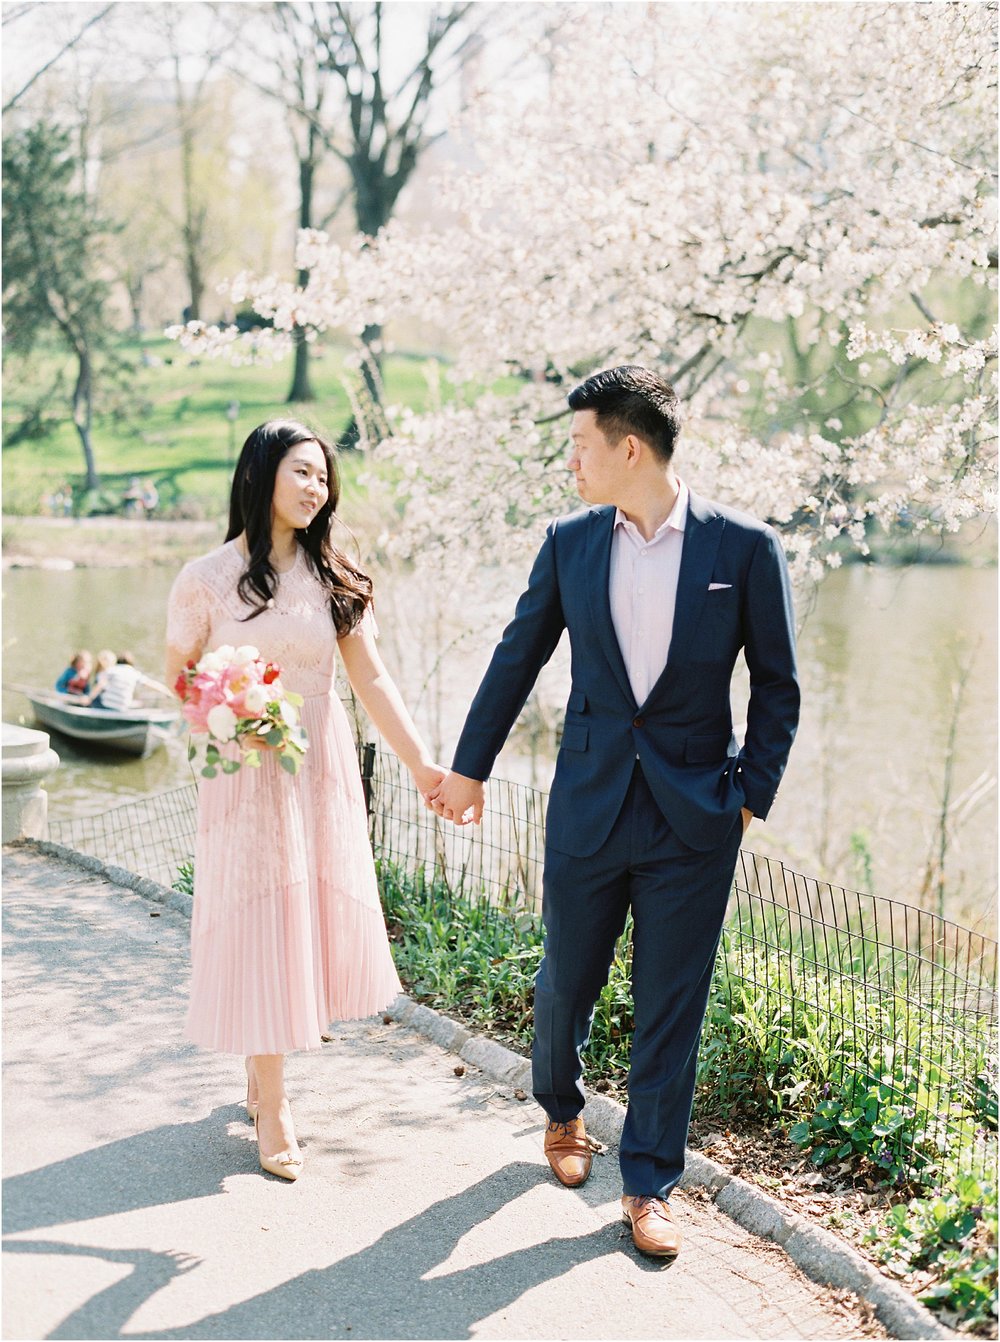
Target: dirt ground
(104,542)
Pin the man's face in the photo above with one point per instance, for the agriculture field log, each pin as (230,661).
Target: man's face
(597,464)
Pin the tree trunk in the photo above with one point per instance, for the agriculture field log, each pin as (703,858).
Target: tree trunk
(371,373)
(192,228)
(301,388)
(195,279)
(83,413)
(135,288)
(373,208)
(374,194)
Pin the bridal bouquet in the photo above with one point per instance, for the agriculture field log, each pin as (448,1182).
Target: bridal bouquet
(234,699)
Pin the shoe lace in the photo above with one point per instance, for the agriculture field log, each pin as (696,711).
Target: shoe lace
(650,1202)
(561,1128)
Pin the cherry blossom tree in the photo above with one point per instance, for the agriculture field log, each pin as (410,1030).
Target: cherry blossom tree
(789,210)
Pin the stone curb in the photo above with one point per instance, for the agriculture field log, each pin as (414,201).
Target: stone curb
(819,1253)
(142,885)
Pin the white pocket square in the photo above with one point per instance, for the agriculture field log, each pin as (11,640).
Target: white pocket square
(719,586)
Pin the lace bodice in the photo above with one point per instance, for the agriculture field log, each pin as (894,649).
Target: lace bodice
(204,611)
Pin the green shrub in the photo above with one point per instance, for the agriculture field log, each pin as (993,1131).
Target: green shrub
(184,880)
(952,1238)
(877,1119)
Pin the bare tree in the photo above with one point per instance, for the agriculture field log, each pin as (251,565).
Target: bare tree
(329,71)
(304,87)
(386,131)
(951,812)
(14,13)
(387,126)
(191,103)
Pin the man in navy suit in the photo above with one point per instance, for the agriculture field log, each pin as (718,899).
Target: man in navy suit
(660,590)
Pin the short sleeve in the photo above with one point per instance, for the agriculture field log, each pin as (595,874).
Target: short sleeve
(366,625)
(188,615)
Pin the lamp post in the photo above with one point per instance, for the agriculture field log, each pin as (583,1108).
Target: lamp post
(232,414)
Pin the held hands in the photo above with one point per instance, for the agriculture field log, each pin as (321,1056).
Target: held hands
(427,777)
(460,799)
(455,797)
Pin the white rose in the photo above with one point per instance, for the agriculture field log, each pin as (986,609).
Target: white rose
(244,655)
(226,652)
(222,722)
(255,699)
(211,662)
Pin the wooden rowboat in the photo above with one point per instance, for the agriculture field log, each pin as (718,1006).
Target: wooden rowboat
(137,731)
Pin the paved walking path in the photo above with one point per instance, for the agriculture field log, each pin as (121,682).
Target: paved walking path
(134,1206)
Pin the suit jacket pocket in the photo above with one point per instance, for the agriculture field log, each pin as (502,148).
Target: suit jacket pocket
(575,736)
(706,749)
(577,702)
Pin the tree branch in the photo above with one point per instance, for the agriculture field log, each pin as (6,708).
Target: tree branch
(923,309)
(58,56)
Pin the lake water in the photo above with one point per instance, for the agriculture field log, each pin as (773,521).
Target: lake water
(881,650)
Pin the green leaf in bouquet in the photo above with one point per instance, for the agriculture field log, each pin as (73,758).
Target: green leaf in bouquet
(230,766)
(295,699)
(289,763)
(252,759)
(192,750)
(212,755)
(275,736)
(208,771)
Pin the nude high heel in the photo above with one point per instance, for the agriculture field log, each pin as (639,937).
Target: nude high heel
(284,1166)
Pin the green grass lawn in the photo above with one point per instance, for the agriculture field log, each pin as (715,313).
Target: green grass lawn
(168,422)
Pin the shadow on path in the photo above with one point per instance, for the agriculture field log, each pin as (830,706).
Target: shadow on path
(150,1169)
(151,1271)
(382,1291)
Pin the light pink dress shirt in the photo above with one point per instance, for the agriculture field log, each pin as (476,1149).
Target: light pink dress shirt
(643,591)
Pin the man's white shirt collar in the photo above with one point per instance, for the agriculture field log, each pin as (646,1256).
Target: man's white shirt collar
(676,521)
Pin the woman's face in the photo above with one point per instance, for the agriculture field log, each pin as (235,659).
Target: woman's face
(301,487)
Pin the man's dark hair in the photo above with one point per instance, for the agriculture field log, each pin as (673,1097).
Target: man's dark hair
(635,400)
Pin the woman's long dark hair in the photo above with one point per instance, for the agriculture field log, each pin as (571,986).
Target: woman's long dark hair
(350,588)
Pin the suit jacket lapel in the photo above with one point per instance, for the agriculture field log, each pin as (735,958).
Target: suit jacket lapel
(602,523)
(702,535)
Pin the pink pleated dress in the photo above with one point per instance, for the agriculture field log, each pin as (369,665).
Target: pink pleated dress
(287,932)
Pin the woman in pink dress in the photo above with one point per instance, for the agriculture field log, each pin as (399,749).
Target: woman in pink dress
(287,931)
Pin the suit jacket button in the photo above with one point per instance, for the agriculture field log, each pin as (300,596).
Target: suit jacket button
(639,722)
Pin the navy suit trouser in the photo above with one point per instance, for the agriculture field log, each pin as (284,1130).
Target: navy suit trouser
(678,900)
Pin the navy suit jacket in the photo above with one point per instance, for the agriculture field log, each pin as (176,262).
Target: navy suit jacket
(683,733)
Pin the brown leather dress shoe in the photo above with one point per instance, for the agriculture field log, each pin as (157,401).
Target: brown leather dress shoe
(654,1230)
(569,1151)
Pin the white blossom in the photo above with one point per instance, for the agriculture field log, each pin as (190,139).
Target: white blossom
(733,173)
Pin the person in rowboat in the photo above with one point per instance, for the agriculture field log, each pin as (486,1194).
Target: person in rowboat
(75,679)
(117,690)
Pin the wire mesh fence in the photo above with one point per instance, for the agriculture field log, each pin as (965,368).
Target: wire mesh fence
(881,1015)
(151,836)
